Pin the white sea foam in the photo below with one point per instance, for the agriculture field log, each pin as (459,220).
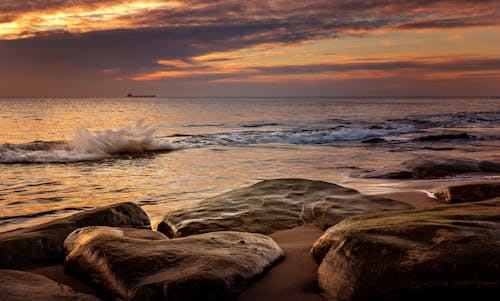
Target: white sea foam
(86,146)
(137,139)
(316,136)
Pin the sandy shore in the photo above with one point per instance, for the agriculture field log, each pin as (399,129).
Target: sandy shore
(419,199)
(294,278)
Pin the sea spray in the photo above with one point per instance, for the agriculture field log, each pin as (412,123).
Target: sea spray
(128,140)
(86,146)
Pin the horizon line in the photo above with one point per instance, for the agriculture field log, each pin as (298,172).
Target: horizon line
(270,96)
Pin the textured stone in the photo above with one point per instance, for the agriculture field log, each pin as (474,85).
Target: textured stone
(22,286)
(433,168)
(211,266)
(43,244)
(274,205)
(445,252)
(468,193)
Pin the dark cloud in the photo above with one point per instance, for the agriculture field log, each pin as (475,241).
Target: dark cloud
(443,66)
(57,58)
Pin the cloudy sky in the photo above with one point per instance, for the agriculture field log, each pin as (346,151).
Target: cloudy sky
(249,48)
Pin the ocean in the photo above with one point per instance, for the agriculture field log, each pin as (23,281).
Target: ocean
(59,156)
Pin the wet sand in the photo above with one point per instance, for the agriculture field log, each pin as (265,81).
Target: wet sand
(294,278)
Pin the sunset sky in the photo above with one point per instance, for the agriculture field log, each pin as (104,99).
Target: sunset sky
(250,48)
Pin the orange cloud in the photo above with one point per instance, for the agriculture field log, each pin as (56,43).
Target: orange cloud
(80,19)
(321,77)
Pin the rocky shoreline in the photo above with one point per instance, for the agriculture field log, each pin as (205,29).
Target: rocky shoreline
(283,239)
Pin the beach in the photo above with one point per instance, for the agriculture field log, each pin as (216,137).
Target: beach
(280,186)
(224,150)
(295,277)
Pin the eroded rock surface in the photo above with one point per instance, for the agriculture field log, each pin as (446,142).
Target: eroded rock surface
(445,252)
(468,193)
(43,244)
(433,168)
(22,286)
(445,137)
(211,266)
(273,205)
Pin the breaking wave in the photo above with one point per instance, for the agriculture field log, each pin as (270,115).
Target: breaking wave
(310,136)
(140,139)
(87,146)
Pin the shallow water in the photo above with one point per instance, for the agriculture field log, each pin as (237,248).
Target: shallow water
(60,156)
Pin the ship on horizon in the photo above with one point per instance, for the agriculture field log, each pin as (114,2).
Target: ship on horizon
(140,95)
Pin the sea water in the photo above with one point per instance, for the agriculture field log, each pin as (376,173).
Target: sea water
(59,156)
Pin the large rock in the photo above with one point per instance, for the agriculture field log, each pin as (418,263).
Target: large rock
(22,286)
(274,205)
(43,244)
(432,168)
(468,193)
(444,137)
(212,266)
(445,252)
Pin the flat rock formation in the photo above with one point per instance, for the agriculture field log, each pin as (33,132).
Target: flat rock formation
(433,168)
(468,193)
(127,265)
(444,137)
(448,252)
(273,205)
(22,286)
(43,244)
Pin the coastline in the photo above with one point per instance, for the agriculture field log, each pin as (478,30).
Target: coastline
(295,277)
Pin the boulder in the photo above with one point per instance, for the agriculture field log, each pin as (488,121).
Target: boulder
(445,252)
(43,244)
(468,193)
(273,205)
(85,234)
(22,286)
(374,140)
(444,137)
(132,266)
(433,168)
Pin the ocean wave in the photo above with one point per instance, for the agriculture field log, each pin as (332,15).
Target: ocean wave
(87,146)
(458,119)
(307,136)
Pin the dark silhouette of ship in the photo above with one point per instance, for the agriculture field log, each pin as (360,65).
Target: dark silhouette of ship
(140,95)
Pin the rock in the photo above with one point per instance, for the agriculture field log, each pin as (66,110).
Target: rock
(468,193)
(273,205)
(444,137)
(85,234)
(374,140)
(432,168)
(450,251)
(22,286)
(211,266)
(43,244)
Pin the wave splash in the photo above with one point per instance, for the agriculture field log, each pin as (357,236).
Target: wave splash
(129,140)
(307,136)
(87,146)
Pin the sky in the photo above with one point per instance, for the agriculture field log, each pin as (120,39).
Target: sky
(108,48)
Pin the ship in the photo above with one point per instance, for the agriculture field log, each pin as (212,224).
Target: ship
(140,95)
